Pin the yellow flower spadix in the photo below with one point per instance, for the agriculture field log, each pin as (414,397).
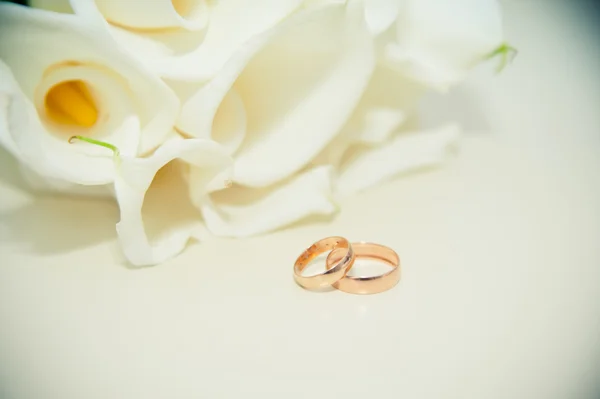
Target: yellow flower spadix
(71,103)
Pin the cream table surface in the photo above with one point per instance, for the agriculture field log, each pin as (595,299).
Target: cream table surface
(499,298)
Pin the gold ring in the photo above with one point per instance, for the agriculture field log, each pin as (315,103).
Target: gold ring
(370,284)
(336,270)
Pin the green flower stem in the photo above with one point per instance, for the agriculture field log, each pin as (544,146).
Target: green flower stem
(506,52)
(115,150)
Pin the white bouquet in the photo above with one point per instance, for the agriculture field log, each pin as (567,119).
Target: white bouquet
(255,114)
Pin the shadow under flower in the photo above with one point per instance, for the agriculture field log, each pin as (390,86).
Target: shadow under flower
(52,224)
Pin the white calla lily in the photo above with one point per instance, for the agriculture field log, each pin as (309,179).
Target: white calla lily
(279,102)
(366,166)
(242,212)
(183,54)
(61,79)
(438,41)
(155,193)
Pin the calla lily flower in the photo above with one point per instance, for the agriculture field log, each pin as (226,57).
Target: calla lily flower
(279,102)
(157,194)
(59,78)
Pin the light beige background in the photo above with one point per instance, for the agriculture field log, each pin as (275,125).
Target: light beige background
(500,295)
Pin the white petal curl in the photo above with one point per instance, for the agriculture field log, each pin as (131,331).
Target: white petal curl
(381,14)
(242,212)
(155,14)
(198,163)
(404,152)
(298,84)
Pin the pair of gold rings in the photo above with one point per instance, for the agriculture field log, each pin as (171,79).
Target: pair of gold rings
(341,259)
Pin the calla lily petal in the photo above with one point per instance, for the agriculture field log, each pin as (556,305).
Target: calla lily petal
(6,85)
(439,40)
(381,14)
(405,152)
(196,55)
(385,105)
(298,84)
(214,111)
(77,84)
(184,165)
(242,212)
(43,184)
(155,14)
(50,155)
(316,97)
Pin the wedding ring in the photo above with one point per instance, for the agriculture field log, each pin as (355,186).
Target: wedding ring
(371,284)
(335,271)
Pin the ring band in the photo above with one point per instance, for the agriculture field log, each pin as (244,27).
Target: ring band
(336,270)
(371,284)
